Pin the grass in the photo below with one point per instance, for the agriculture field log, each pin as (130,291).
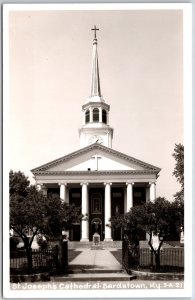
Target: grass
(19,260)
(72,254)
(174,243)
(169,258)
(118,255)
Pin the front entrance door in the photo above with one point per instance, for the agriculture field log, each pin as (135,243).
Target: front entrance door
(96,212)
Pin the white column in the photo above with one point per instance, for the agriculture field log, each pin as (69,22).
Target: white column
(107,118)
(147,194)
(84,111)
(182,236)
(44,190)
(38,185)
(85,213)
(129,195)
(67,194)
(152,191)
(108,236)
(63,191)
(100,114)
(125,200)
(90,115)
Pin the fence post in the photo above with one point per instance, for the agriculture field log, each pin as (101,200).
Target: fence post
(64,254)
(127,256)
(151,259)
(56,253)
(63,257)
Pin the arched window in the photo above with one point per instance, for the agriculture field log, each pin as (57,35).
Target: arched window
(87,116)
(96,203)
(104,116)
(95,115)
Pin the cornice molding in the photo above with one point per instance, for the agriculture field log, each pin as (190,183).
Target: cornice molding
(96,104)
(97,146)
(91,130)
(98,173)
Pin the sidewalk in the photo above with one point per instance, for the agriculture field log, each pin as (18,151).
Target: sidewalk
(95,265)
(96,259)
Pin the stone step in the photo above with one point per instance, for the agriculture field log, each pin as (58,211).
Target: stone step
(97,247)
(94,271)
(94,277)
(112,244)
(103,245)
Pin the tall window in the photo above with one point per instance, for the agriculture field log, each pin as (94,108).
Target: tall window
(96,203)
(104,116)
(95,115)
(87,116)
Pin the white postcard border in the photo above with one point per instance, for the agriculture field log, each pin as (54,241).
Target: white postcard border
(187,59)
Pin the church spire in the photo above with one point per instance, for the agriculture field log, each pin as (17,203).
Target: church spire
(96,128)
(95,82)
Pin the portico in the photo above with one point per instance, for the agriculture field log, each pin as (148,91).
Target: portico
(99,199)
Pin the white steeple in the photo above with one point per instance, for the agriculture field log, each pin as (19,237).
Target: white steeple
(95,127)
(95,82)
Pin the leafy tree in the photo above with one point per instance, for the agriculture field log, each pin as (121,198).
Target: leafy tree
(26,213)
(71,214)
(118,221)
(31,212)
(160,218)
(179,170)
(18,183)
(178,215)
(53,216)
(60,215)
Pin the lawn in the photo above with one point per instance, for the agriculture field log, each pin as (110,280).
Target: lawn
(72,254)
(170,257)
(19,260)
(118,255)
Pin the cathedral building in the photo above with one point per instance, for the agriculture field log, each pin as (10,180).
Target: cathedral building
(99,179)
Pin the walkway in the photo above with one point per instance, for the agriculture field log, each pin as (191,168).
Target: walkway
(96,259)
(94,265)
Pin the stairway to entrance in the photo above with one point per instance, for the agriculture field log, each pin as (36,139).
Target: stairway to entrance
(95,265)
(103,244)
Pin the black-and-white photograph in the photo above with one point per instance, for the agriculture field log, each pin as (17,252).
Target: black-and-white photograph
(94,135)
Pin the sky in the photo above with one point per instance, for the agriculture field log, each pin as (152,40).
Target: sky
(141,74)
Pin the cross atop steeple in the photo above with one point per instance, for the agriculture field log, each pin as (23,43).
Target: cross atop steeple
(95,83)
(95,29)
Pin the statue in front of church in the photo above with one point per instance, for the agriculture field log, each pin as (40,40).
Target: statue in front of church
(96,236)
(96,223)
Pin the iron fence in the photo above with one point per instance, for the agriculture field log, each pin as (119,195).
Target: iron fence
(42,260)
(171,259)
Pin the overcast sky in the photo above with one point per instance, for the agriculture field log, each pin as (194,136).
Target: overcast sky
(140,60)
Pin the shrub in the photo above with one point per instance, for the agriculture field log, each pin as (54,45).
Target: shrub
(33,278)
(14,279)
(42,242)
(45,277)
(14,241)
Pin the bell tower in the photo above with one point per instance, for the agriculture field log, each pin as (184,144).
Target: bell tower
(95,128)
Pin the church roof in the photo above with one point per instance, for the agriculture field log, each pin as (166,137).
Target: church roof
(50,166)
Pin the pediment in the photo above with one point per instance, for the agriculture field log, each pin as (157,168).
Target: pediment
(95,158)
